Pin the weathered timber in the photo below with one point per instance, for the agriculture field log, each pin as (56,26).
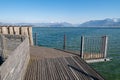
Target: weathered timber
(4,30)
(24,31)
(18,30)
(30,35)
(52,64)
(11,30)
(16,63)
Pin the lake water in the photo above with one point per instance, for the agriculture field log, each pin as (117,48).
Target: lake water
(53,37)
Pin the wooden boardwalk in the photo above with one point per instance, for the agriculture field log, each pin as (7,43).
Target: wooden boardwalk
(51,64)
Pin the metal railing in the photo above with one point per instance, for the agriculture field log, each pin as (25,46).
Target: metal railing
(93,47)
(88,47)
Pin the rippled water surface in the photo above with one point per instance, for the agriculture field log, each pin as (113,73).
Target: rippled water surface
(53,37)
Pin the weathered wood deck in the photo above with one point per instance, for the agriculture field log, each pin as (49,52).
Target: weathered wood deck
(52,64)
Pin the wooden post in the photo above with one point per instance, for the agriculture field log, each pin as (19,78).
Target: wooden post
(64,42)
(11,30)
(105,43)
(16,30)
(82,47)
(0,29)
(30,35)
(4,30)
(24,31)
(35,39)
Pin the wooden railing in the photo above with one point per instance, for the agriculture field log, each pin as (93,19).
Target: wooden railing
(14,67)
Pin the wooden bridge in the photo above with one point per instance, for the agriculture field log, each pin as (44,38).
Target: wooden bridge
(52,64)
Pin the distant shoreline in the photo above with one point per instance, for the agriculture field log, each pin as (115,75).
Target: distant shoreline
(81,27)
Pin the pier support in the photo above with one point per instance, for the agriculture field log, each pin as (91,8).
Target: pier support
(64,42)
(82,47)
(35,39)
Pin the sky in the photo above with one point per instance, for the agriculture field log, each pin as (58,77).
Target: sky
(44,11)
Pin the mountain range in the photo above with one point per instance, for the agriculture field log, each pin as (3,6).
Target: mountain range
(115,22)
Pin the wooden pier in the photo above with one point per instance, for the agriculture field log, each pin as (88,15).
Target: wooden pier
(18,30)
(52,64)
(41,63)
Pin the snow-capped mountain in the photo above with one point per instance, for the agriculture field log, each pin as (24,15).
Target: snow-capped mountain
(115,22)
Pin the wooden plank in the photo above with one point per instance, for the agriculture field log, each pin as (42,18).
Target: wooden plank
(66,76)
(47,72)
(76,69)
(52,70)
(88,69)
(60,68)
(67,69)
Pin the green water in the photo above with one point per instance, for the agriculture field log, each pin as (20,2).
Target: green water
(53,37)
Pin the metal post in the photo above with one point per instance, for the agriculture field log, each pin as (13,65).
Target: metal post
(82,47)
(64,42)
(105,43)
(35,39)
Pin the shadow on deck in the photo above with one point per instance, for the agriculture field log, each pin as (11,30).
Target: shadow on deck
(52,64)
